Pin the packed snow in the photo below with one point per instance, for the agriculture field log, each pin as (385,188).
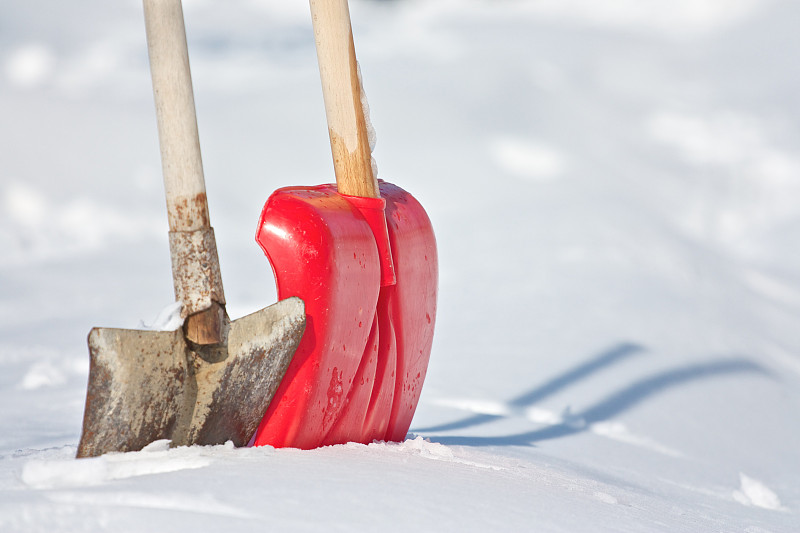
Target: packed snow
(614,186)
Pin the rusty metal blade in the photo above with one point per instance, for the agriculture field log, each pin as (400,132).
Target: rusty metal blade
(150,385)
(138,383)
(233,395)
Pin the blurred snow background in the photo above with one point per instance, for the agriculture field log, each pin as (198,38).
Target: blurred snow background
(614,185)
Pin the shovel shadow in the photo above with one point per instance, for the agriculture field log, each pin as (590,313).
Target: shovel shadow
(605,359)
(607,408)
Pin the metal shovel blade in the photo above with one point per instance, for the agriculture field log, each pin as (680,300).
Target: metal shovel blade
(151,385)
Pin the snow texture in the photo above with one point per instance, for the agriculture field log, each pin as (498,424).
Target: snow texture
(614,186)
(372,136)
(168,319)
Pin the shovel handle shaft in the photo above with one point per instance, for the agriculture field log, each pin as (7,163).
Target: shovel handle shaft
(182,165)
(195,263)
(341,90)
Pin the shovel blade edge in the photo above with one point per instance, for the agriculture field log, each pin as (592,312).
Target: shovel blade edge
(411,304)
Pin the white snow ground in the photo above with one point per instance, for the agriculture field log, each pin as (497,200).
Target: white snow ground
(615,187)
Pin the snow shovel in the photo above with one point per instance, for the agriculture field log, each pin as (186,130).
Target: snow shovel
(212,380)
(362,256)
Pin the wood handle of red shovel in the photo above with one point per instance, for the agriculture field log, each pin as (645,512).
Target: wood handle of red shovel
(195,263)
(341,90)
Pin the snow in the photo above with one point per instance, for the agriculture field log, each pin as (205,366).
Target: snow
(753,492)
(372,135)
(614,189)
(168,319)
(155,458)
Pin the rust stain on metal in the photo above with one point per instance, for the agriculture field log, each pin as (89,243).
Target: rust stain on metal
(195,270)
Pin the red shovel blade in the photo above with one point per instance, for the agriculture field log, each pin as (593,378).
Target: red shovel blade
(359,369)
(410,306)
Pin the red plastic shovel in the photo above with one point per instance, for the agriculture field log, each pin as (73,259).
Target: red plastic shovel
(362,255)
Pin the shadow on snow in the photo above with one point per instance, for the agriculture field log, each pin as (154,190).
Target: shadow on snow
(609,407)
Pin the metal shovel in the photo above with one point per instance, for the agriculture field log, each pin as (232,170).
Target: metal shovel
(213,380)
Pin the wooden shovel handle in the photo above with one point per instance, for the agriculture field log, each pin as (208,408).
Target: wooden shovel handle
(341,90)
(182,165)
(195,263)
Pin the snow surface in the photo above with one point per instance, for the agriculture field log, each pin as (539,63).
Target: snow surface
(614,185)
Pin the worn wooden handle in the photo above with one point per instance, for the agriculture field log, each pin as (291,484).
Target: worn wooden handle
(195,263)
(341,89)
(182,165)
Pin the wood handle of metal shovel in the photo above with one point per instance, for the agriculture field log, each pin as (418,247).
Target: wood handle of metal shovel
(195,263)
(341,89)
